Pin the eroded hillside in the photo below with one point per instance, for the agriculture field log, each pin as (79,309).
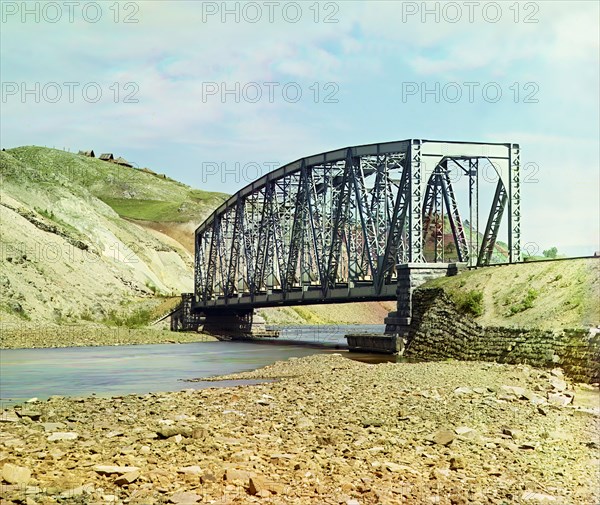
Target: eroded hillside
(84,239)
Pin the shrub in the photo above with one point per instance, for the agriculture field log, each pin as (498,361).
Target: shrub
(526,303)
(136,319)
(471,302)
(150,285)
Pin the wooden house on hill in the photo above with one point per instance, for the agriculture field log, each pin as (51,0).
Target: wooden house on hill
(89,154)
(123,162)
(107,157)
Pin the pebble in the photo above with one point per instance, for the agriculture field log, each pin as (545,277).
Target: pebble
(457,463)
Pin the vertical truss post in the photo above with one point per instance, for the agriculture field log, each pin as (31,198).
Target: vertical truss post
(415,167)
(514,204)
(248,234)
(473,211)
(199,281)
(367,220)
(312,212)
(236,241)
(433,213)
(439,224)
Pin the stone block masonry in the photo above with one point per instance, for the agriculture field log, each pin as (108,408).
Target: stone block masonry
(398,323)
(439,330)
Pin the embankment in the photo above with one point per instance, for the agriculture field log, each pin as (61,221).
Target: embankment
(531,314)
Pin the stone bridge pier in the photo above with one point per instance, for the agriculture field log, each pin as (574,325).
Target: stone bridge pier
(398,322)
(236,325)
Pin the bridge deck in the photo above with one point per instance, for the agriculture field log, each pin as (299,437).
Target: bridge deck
(313,295)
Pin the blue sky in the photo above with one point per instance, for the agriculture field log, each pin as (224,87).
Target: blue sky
(156,88)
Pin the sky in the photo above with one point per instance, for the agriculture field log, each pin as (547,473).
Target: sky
(216,94)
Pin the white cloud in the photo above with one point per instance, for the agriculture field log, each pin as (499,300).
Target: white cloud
(172,51)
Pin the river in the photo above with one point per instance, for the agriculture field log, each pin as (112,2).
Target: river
(140,369)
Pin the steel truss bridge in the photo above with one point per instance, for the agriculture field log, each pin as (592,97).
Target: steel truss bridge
(332,227)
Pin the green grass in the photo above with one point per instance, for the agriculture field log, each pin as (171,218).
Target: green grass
(200,195)
(147,210)
(131,193)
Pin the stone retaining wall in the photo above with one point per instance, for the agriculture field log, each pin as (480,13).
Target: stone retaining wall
(438,331)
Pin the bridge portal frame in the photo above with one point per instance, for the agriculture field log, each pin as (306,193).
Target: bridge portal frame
(285,229)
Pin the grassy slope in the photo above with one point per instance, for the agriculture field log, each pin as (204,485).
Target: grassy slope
(549,295)
(131,193)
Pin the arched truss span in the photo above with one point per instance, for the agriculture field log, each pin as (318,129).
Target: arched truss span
(332,227)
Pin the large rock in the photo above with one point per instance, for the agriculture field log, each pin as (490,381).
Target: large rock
(127,478)
(186,498)
(516,391)
(34,415)
(14,474)
(558,384)
(112,469)
(8,417)
(190,470)
(53,426)
(232,474)
(559,399)
(172,431)
(443,437)
(262,487)
(62,435)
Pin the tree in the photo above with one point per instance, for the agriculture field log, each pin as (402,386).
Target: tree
(550,253)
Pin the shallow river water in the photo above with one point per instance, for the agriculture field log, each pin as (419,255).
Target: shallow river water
(118,370)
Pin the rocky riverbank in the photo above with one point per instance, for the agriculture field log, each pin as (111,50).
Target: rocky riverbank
(331,431)
(37,335)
